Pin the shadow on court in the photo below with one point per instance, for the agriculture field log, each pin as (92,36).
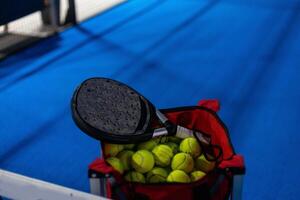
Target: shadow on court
(28,139)
(140,59)
(91,38)
(254,76)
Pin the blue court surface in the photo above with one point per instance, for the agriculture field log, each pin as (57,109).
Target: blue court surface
(245,53)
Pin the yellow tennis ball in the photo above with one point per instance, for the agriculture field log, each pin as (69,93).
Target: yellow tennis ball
(178,176)
(129,146)
(173,146)
(157,175)
(162,155)
(125,158)
(149,145)
(134,176)
(111,150)
(197,175)
(175,139)
(116,164)
(190,145)
(142,161)
(201,163)
(183,161)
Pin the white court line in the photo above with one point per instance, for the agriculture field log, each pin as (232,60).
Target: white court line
(15,186)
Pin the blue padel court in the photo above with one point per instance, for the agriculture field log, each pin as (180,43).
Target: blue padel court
(245,53)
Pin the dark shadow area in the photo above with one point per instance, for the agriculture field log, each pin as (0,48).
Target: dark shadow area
(30,138)
(176,30)
(10,42)
(138,14)
(102,41)
(94,37)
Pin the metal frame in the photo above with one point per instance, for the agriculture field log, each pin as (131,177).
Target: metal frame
(237,187)
(51,14)
(71,17)
(98,185)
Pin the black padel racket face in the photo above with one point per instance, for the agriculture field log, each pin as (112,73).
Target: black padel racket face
(111,111)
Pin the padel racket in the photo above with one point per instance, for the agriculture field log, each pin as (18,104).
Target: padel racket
(113,112)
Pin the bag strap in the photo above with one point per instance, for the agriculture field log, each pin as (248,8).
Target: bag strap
(212,104)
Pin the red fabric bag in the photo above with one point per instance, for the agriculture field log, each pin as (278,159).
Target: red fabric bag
(216,185)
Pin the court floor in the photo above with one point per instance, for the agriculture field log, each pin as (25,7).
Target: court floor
(244,53)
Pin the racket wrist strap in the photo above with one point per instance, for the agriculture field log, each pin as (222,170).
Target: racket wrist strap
(171,128)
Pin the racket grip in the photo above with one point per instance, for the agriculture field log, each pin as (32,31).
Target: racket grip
(184,133)
(169,129)
(160,132)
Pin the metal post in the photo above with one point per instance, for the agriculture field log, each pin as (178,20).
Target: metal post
(51,13)
(54,13)
(98,183)
(237,187)
(6,28)
(71,13)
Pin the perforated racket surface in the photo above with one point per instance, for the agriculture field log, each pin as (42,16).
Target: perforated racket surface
(111,111)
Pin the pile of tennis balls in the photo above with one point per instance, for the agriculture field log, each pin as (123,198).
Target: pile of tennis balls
(162,159)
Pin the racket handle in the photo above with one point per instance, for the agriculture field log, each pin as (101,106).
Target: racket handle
(178,131)
(171,128)
(184,133)
(160,132)
(161,117)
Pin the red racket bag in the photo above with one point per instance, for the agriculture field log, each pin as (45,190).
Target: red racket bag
(217,184)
